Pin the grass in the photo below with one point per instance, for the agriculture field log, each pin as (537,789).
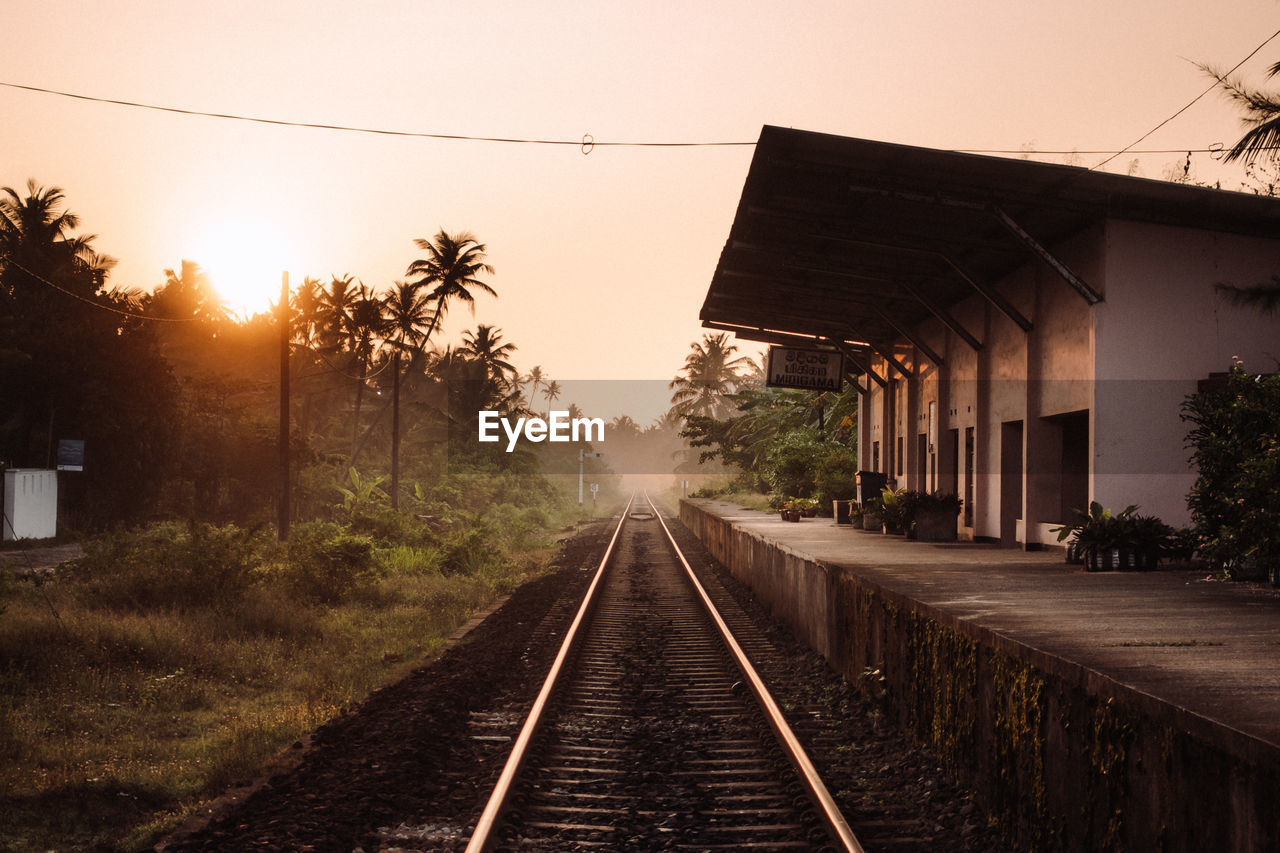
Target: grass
(119,717)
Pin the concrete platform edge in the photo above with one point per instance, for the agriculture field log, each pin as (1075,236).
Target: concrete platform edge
(1068,757)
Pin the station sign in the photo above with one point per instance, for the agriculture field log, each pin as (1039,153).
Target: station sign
(70,454)
(809,369)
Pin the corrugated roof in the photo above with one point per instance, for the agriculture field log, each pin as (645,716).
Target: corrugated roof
(860,241)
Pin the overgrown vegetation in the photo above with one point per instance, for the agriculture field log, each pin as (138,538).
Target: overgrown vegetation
(786,443)
(172,661)
(187,646)
(1235,441)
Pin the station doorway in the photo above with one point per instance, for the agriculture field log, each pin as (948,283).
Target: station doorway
(1011,439)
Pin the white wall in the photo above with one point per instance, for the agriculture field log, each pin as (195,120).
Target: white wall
(1129,361)
(1162,328)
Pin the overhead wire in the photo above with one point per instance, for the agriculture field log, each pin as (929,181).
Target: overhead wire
(105,307)
(136,316)
(1189,104)
(587,143)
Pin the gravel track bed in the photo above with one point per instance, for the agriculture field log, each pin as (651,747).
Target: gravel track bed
(412,767)
(649,741)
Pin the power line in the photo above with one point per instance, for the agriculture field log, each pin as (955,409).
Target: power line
(170,319)
(587,142)
(94,303)
(1214,85)
(1216,148)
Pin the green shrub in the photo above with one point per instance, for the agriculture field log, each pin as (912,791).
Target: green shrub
(790,464)
(410,560)
(836,476)
(323,562)
(469,553)
(387,526)
(1235,503)
(172,565)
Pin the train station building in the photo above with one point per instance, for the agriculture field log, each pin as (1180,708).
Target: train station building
(1021,334)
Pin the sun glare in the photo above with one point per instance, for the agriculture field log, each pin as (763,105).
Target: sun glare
(244,259)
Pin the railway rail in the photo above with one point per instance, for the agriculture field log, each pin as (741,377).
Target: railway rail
(653,730)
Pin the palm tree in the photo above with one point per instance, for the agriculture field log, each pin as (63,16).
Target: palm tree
(36,244)
(624,425)
(709,375)
(408,311)
(450,268)
(336,301)
(484,345)
(365,325)
(535,378)
(552,393)
(308,312)
(1262,117)
(187,292)
(69,368)
(462,386)
(36,225)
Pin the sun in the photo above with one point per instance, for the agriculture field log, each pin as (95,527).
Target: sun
(244,257)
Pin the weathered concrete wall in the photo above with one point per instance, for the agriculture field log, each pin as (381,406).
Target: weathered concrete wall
(1070,759)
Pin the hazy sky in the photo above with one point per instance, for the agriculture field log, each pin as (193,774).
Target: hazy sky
(602,260)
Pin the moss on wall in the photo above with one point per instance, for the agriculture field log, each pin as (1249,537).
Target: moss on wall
(1066,760)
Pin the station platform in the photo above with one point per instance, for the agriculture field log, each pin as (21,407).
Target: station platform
(1172,676)
(1209,647)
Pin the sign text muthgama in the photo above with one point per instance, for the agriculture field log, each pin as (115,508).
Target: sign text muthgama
(556,427)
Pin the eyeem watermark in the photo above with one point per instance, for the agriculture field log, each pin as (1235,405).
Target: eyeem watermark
(556,427)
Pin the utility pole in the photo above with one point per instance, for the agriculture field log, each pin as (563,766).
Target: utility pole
(395,431)
(581,456)
(282,523)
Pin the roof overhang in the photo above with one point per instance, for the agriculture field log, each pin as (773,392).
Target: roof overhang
(854,243)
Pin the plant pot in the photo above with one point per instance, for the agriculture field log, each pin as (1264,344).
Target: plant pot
(1111,559)
(811,512)
(935,526)
(793,515)
(782,513)
(871,521)
(1075,554)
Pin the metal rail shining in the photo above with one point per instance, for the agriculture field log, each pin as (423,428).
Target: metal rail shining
(836,825)
(481,837)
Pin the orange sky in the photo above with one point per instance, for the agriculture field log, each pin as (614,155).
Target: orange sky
(602,260)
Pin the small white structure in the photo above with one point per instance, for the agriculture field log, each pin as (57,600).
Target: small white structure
(30,503)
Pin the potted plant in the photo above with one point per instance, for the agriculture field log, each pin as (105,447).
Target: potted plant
(808,506)
(930,517)
(892,510)
(791,510)
(1104,539)
(1149,538)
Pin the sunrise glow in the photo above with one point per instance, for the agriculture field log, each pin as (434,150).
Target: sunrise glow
(244,257)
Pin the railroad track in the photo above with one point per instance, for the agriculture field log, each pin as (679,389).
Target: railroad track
(653,731)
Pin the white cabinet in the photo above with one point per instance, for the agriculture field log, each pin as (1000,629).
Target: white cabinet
(30,503)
